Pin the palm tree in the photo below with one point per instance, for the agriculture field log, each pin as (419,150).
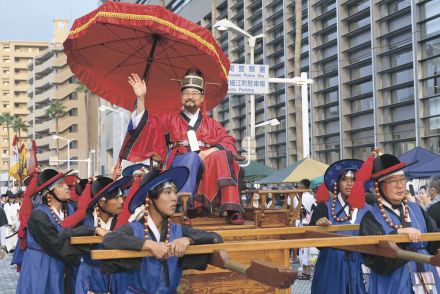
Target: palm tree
(7,119)
(18,126)
(56,110)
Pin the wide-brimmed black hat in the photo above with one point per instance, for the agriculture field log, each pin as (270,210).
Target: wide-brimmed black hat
(48,177)
(104,186)
(177,175)
(386,164)
(334,171)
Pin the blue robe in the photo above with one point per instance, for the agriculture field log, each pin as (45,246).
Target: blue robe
(339,271)
(41,272)
(151,277)
(399,279)
(192,161)
(92,278)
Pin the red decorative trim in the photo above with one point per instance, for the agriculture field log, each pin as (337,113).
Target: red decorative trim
(389,170)
(51,181)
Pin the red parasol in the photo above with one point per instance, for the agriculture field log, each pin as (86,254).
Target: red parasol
(117,39)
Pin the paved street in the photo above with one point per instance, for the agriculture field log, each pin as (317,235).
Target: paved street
(9,277)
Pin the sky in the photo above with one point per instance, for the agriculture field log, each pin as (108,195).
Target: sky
(32,20)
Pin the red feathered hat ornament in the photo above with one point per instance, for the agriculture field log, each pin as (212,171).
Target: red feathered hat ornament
(356,199)
(81,212)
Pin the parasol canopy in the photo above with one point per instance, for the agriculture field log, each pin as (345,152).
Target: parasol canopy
(108,44)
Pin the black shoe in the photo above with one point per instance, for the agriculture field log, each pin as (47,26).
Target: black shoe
(304,277)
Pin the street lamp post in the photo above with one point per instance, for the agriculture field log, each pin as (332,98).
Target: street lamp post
(225,24)
(55,137)
(88,160)
(303,82)
(91,170)
(104,108)
(271,122)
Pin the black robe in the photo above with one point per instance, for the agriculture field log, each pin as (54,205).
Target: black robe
(383,265)
(57,244)
(3,218)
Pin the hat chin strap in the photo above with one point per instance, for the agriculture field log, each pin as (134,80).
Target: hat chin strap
(164,217)
(105,211)
(55,196)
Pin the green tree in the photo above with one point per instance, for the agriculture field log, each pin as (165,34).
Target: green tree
(18,126)
(56,110)
(7,119)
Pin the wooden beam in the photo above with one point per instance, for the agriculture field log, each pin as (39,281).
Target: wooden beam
(244,232)
(342,240)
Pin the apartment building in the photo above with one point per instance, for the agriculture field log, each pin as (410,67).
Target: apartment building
(51,80)
(15,56)
(374,65)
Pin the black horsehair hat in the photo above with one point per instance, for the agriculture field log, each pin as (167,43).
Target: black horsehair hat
(48,177)
(387,164)
(105,187)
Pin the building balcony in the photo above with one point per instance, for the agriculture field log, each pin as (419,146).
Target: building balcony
(21,65)
(40,113)
(43,144)
(45,82)
(60,61)
(62,76)
(45,127)
(64,91)
(45,97)
(66,122)
(21,88)
(44,156)
(21,111)
(21,77)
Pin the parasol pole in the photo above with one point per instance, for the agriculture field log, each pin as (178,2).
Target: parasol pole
(156,38)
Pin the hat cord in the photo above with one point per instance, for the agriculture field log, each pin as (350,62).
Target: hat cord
(334,199)
(57,219)
(98,216)
(383,212)
(166,219)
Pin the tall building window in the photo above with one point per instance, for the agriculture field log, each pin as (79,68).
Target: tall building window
(73,112)
(432,27)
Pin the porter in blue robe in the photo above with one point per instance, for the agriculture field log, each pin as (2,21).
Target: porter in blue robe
(394,275)
(337,271)
(90,274)
(49,257)
(151,275)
